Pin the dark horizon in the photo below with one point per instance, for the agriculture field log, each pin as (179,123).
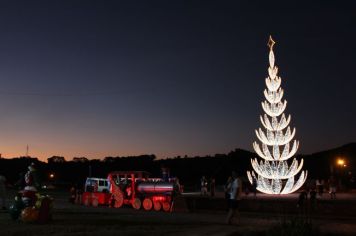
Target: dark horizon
(89,78)
(352,144)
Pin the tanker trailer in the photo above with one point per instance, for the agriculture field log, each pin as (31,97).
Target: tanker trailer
(157,195)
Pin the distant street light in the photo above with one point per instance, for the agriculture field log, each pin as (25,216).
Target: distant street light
(51,176)
(341,162)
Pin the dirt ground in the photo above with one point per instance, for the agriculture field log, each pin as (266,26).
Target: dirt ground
(80,220)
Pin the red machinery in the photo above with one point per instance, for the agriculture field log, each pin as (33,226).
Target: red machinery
(136,189)
(96,192)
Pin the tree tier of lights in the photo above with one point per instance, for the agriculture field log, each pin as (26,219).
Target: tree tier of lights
(273,174)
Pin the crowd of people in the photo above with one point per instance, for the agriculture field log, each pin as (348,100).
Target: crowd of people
(320,186)
(204,186)
(314,189)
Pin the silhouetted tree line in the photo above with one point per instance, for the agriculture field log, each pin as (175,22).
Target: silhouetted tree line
(15,168)
(188,169)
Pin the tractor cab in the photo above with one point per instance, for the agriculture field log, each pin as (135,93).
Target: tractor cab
(127,181)
(96,192)
(97,185)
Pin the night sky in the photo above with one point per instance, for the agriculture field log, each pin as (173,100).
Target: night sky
(109,78)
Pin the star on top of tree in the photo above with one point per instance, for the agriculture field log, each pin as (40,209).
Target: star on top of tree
(270,43)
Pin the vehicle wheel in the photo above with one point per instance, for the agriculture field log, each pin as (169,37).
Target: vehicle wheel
(136,204)
(147,204)
(157,205)
(119,199)
(166,206)
(95,202)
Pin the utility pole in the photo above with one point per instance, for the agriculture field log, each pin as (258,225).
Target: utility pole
(27,151)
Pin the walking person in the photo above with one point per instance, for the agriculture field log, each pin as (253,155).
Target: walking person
(3,192)
(235,197)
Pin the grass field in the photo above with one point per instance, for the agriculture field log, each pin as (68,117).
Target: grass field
(102,221)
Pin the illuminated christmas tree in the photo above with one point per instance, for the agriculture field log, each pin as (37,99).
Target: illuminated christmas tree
(274,174)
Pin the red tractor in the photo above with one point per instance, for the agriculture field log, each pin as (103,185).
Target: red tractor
(135,188)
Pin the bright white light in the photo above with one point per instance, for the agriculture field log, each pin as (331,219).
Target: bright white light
(274,174)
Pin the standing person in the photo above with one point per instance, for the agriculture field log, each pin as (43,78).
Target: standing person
(227,189)
(20,183)
(79,193)
(313,199)
(165,173)
(302,201)
(178,186)
(203,186)
(235,197)
(73,193)
(212,187)
(312,185)
(3,191)
(332,186)
(322,183)
(254,185)
(318,187)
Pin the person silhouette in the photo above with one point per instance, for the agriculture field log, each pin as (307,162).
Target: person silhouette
(203,186)
(234,200)
(332,187)
(3,191)
(254,186)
